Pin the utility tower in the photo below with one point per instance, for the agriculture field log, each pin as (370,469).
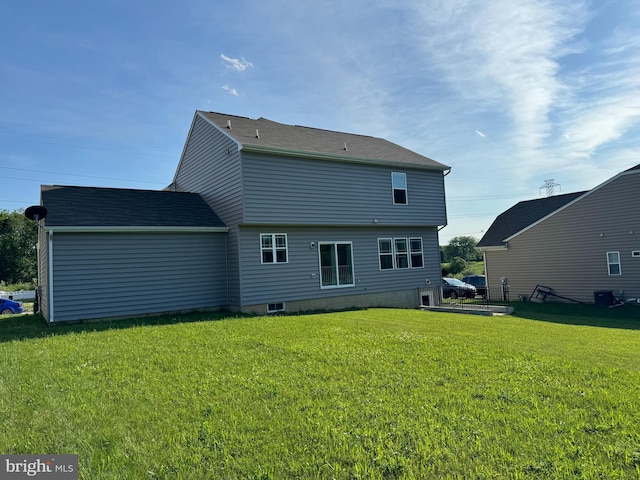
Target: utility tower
(549,186)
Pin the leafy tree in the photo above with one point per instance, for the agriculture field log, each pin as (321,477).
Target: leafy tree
(463,247)
(18,239)
(456,265)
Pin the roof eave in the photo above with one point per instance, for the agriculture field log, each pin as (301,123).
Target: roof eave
(131,229)
(338,158)
(493,248)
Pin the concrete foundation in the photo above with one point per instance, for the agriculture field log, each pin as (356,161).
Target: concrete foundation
(398,299)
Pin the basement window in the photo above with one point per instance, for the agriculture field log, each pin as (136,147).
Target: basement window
(275,307)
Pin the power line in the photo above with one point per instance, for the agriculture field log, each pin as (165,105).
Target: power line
(75,175)
(13,201)
(104,147)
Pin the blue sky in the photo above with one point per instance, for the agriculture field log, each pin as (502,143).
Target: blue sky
(509,93)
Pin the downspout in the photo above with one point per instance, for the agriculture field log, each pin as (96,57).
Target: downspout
(50,277)
(444,174)
(226,266)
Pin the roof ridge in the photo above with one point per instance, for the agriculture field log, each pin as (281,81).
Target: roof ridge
(552,196)
(227,114)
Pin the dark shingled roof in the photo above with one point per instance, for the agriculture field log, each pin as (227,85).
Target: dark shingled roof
(117,207)
(521,215)
(274,135)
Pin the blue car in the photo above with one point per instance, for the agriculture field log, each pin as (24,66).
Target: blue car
(9,306)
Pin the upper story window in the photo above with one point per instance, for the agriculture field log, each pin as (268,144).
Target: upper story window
(273,247)
(399,187)
(613,263)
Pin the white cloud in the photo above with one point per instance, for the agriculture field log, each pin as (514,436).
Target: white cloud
(606,98)
(504,54)
(231,91)
(237,64)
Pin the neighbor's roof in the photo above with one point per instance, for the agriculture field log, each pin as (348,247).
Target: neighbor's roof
(522,215)
(69,206)
(266,135)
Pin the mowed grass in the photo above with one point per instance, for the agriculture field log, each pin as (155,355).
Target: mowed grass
(363,394)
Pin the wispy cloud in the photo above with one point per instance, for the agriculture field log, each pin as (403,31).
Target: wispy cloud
(504,55)
(237,64)
(606,98)
(230,90)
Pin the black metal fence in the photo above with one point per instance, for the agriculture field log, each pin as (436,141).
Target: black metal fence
(485,296)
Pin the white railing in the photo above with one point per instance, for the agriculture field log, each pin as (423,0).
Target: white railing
(345,276)
(19,295)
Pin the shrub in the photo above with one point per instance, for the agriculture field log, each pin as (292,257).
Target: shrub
(457,265)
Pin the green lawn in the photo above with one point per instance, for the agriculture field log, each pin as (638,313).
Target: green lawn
(553,392)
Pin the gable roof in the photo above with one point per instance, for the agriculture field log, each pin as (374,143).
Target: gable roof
(525,214)
(91,207)
(522,215)
(267,136)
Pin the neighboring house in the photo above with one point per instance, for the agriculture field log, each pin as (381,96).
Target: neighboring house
(576,244)
(305,219)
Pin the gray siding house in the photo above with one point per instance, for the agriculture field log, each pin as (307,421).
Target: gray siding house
(112,252)
(576,244)
(304,219)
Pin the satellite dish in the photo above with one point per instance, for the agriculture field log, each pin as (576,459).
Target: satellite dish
(35,212)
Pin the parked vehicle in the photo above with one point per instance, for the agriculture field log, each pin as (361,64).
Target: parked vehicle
(8,307)
(454,288)
(478,281)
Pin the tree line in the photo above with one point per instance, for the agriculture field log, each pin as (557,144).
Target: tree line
(18,240)
(457,253)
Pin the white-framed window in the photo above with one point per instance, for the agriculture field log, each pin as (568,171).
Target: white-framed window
(400,253)
(385,253)
(336,264)
(613,263)
(275,307)
(399,188)
(273,248)
(415,247)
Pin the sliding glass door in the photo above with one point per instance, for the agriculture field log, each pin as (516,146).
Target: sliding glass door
(336,264)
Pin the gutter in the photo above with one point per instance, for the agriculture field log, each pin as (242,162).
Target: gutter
(134,229)
(494,248)
(339,158)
